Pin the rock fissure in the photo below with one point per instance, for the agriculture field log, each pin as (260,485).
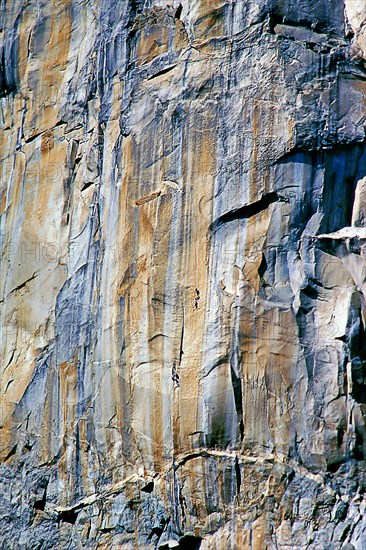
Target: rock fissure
(249,210)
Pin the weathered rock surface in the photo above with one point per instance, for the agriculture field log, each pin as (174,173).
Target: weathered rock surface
(183,276)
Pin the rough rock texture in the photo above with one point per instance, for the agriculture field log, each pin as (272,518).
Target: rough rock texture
(183,276)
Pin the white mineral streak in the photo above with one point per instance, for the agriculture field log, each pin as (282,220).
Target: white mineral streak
(356,17)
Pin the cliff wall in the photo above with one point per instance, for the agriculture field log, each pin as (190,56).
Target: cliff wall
(183,277)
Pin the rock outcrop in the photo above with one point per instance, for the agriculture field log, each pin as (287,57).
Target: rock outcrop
(183,275)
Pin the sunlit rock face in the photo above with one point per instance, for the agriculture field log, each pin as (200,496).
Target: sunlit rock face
(183,276)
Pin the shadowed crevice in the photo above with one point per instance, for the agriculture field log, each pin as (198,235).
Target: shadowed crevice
(248,210)
(163,71)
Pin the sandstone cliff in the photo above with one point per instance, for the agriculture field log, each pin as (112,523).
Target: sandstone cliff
(183,276)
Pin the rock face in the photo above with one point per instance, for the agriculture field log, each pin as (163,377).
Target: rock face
(183,276)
